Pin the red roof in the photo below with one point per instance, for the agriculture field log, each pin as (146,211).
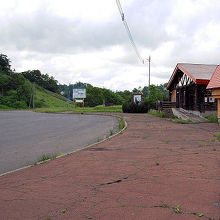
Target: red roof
(199,73)
(215,80)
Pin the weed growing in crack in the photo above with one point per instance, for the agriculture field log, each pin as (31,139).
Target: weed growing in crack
(111,132)
(48,218)
(123,204)
(63,211)
(121,124)
(157,163)
(164,205)
(214,149)
(45,157)
(89,217)
(218,136)
(199,214)
(177,209)
(167,141)
(99,139)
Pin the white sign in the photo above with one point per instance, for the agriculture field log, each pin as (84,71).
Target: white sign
(79,93)
(79,100)
(137,98)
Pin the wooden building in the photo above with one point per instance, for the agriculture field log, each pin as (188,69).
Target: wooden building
(214,85)
(188,87)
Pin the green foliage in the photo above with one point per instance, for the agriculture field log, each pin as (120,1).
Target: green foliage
(218,136)
(181,121)
(212,118)
(199,214)
(155,94)
(5,64)
(131,107)
(177,209)
(121,124)
(45,157)
(125,95)
(16,90)
(157,113)
(44,80)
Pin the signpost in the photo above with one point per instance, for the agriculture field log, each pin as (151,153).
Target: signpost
(79,95)
(137,98)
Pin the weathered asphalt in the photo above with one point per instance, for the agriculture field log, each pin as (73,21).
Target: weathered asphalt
(26,135)
(155,170)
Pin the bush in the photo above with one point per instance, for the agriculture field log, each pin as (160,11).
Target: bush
(130,107)
(19,104)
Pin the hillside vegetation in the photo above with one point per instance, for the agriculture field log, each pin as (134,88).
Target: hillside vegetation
(17,92)
(32,89)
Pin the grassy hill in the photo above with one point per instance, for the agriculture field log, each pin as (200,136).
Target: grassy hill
(48,99)
(43,99)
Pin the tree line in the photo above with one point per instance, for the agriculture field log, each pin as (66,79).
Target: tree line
(98,96)
(16,89)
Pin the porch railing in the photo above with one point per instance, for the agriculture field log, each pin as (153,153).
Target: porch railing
(161,105)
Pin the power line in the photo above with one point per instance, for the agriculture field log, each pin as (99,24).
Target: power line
(128,31)
(131,39)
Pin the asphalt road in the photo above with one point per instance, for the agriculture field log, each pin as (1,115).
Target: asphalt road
(26,135)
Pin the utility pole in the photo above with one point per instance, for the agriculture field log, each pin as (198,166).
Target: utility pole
(33,95)
(148,60)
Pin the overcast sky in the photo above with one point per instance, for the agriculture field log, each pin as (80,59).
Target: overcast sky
(85,40)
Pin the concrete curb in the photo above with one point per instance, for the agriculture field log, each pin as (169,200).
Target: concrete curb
(63,155)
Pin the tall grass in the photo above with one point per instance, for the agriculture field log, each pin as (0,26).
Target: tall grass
(212,118)
(157,113)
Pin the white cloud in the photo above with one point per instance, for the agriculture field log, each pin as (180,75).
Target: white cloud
(85,40)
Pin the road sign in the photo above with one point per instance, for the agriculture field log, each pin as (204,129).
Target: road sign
(79,93)
(79,100)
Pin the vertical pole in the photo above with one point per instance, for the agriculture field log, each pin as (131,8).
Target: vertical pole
(75,102)
(218,110)
(149,70)
(83,102)
(149,60)
(33,95)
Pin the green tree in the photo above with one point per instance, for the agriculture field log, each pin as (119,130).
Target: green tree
(155,95)
(4,82)
(5,64)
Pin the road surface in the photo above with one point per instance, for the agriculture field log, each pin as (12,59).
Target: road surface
(25,136)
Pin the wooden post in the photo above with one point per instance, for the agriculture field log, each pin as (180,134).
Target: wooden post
(216,95)
(218,109)
(75,103)
(195,98)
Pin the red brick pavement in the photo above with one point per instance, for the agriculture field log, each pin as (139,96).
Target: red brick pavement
(143,173)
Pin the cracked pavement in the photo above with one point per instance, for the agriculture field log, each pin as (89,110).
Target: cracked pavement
(154,166)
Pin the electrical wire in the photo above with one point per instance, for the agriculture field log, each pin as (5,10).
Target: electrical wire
(128,31)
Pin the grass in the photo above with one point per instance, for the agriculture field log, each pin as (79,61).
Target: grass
(181,121)
(111,132)
(218,136)
(5,107)
(212,118)
(157,113)
(45,157)
(99,108)
(177,209)
(121,124)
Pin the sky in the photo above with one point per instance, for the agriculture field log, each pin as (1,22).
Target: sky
(85,40)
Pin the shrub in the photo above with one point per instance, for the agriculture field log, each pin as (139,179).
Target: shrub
(19,104)
(130,107)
